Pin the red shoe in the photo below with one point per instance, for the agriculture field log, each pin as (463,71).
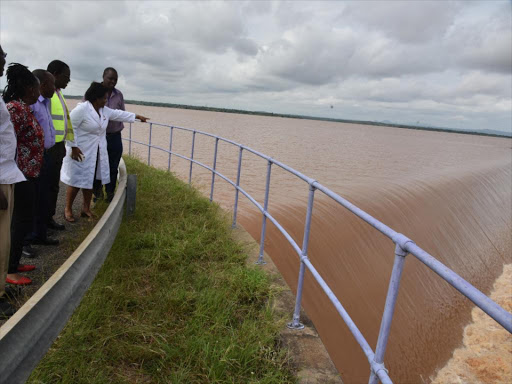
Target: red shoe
(26,267)
(23,281)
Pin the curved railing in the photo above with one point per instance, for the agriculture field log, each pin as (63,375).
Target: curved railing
(403,246)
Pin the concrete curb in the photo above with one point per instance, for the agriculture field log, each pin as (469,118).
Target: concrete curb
(307,352)
(28,334)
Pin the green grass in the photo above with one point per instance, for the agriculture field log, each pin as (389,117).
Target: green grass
(174,302)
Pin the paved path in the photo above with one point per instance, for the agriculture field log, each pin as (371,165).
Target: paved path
(50,258)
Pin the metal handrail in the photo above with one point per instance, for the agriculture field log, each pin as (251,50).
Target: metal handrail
(403,247)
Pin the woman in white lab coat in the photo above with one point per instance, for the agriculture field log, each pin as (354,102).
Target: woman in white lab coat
(86,154)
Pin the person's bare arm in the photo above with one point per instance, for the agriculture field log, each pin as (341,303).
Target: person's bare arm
(141,118)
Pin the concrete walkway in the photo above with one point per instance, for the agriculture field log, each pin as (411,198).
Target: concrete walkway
(50,258)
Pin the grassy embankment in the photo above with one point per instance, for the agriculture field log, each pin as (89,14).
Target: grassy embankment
(174,302)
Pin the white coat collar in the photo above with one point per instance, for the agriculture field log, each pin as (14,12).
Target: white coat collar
(93,112)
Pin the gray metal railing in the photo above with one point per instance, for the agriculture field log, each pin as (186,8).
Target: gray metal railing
(403,247)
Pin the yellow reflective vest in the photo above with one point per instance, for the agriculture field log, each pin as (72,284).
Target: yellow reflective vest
(57,112)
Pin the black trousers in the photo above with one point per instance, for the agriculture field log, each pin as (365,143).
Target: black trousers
(115,152)
(42,197)
(22,219)
(55,156)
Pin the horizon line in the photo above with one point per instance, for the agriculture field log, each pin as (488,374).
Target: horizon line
(482,132)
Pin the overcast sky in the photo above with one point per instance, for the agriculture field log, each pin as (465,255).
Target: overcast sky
(438,63)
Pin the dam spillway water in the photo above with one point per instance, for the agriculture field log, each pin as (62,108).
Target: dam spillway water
(450,193)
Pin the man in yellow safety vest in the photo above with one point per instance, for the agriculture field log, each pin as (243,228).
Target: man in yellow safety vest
(63,131)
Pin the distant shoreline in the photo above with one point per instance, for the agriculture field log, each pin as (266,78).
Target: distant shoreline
(263,113)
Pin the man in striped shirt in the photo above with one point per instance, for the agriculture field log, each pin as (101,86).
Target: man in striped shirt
(115,100)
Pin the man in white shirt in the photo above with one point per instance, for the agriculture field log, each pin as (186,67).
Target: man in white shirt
(9,175)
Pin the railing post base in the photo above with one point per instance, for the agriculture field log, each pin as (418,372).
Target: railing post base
(296,326)
(260,261)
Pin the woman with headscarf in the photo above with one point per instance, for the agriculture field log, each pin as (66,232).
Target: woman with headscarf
(22,90)
(86,155)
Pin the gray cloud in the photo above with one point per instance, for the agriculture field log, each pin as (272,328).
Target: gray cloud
(443,62)
(245,46)
(404,21)
(309,55)
(483,42)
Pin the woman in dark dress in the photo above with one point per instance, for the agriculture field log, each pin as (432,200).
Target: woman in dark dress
(22,90)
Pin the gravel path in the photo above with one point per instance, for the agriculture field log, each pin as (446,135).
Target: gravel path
(50,258)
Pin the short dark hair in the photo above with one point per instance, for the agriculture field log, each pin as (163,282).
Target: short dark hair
(96,91)
(109,69)
(41,74)
(56,67)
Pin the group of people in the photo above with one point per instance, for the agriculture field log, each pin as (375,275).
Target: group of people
(43,143)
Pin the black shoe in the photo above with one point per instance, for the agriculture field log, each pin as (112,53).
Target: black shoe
(46,241)
(54,225)
(97,195)
(110,196)
(6,309)
(29,252)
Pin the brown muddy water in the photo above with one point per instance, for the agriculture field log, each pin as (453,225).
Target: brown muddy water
(450,193)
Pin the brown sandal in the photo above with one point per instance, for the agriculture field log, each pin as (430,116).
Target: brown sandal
(90,216)
(70,219)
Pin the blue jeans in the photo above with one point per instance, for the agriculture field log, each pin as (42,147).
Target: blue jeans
(115,151)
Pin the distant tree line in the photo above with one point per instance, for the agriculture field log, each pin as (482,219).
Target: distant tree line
(485,132)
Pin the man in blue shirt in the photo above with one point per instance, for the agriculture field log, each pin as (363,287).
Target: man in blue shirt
(41,111)
(115,100)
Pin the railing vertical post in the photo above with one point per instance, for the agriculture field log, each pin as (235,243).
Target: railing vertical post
(130,141)
(191,157)
(237,185)
(260,260)
(295,323)
(214,166)
(387,317)
(170,150)
(149,146)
